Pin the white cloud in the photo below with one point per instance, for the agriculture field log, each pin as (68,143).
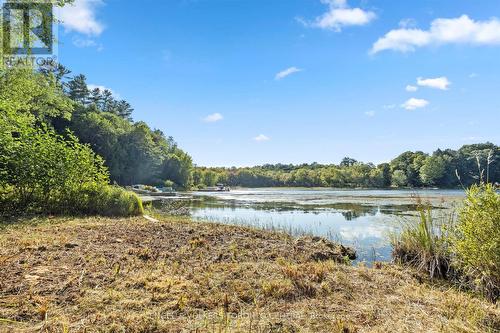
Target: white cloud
(336,3)
(389,106)
(408,23)
(340,15)
(261,138)
(81,17)
(411,88)
(461,30)
(286,72)
(79,42)
(370,113)
(102,88)
(436,83)
(87,42)
(473,75)
(212,118)
(414,103)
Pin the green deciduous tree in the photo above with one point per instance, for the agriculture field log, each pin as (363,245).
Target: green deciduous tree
(399,178)
(27,97)
(409,163)
(433,170)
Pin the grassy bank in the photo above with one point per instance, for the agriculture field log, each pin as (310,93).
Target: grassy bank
(464,249)
(134,275)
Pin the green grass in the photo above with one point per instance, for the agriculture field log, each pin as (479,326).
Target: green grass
(425,245)
(465,250)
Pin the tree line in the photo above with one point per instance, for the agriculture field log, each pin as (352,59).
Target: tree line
(132,151)
(53,101)
(62,145)
(443,168)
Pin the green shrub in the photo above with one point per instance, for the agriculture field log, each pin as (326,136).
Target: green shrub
(42,172)
(467,252)
(477,240)
(169,183)
(425,245)
(150,188)
(115,201)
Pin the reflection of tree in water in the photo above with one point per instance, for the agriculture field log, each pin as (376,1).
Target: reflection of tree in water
(356,211)
(354,214)
(349,210)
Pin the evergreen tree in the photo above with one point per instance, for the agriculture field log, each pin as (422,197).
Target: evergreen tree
(124,110)
(59,71)
(96,97)
(78,89)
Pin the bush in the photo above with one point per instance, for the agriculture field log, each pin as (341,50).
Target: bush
(150,188)
(115,201)
(42,172)
(168,183)
(467,252)
(477,240)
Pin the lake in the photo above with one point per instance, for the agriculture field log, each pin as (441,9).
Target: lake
(362,219)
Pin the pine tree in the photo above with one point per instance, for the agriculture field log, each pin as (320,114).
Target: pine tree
(57,70)
(78,90)
(107,101)
(124,110)
(96,97)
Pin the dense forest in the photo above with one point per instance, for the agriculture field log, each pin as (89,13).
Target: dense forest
(62,145)
(132,151)
(444,168)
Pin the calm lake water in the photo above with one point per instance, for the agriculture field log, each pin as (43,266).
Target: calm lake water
(359,218)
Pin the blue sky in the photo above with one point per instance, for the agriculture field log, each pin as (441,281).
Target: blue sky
(247,82)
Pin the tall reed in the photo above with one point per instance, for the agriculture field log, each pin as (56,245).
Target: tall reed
(425,245)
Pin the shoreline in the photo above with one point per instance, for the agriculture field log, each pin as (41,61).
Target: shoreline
(138,275)
(236,187)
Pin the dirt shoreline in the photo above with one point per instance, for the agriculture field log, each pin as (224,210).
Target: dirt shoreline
(137,275)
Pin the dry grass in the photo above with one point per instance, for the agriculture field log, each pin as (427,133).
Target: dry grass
(133,275)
